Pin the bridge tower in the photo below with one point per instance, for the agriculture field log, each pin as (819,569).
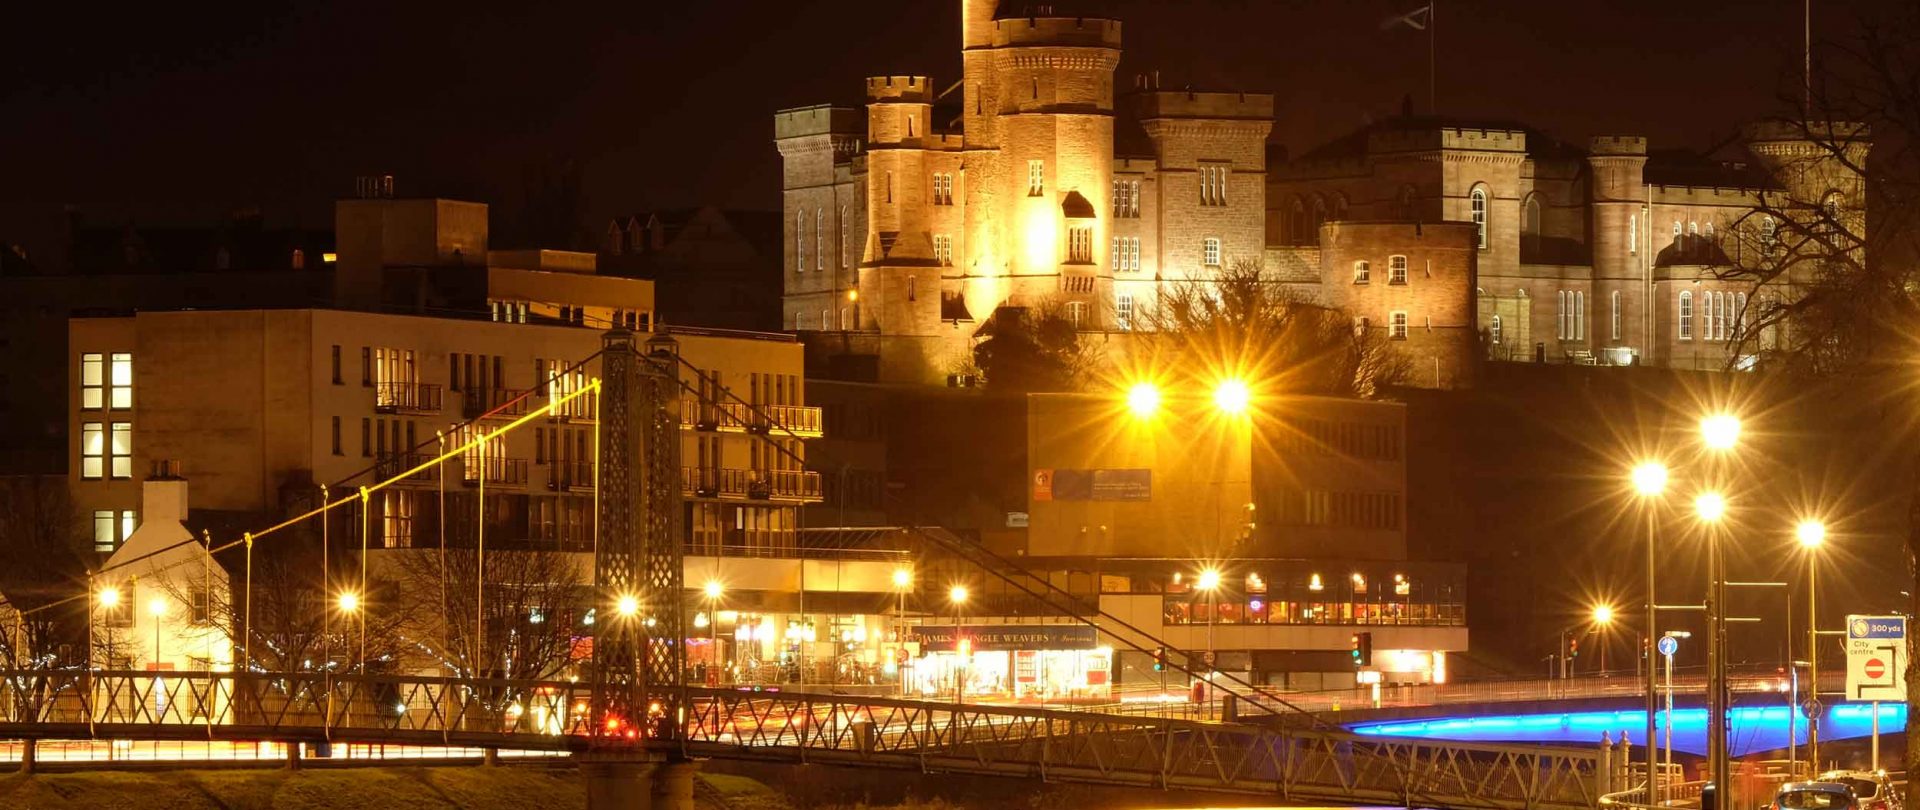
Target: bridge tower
(639,658)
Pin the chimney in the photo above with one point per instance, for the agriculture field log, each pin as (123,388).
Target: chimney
(163,496)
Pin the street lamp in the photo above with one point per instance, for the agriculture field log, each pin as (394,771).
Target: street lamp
(1650,483)
(1711,508)
(627,606)
(1602,620)
(156,607)
(1232,396)
(1812,534)
(1720,431)
(902,582)
(350,605)
(1143,399)
(957,595)
(713,590)
(109,598)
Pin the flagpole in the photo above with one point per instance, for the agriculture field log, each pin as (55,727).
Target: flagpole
(1433,34)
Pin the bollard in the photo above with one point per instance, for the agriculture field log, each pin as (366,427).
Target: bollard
(1604,774)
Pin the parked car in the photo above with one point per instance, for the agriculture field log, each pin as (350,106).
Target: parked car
(1815,796)
(1874,790)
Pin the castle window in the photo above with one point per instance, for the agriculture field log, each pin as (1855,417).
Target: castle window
(1530,228)
(1396,270)
(1493,330)
(799,241)
(1477,208)
(913,291)
(1126,199)
(1693,238)
(1080,244)
(943,249)
(1210,251)
(889,188)
(1686,315)
(1126,253)
(1297,224)
(1679,238)
(1362,272)
(1769,232)
(1213,184)
(1633,234)
(843,237)
(1397,325)
(1123,312)
(1036,178)
(1076,313)
(819,239)
(1616,314)
(1572,315)
(826,320)
(942,188)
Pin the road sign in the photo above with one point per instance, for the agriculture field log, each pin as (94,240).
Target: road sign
(1876,658)
(1667,645)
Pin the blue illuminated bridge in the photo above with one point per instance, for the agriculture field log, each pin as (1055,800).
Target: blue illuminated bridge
(1753,729)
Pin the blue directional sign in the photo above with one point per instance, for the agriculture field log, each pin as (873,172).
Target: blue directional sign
(1667,645)
(1876,627)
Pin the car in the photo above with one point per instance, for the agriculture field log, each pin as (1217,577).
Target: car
(1873,788)
(1815,796)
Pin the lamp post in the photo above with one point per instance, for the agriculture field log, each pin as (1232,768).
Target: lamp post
(902,580)
(963,651)
(713,590)
(1812,534)
(1649,482)
(350,604)
(1711,509)
(1602,621)
(109,599)
(1209,583)
(156,607)
(1720,433)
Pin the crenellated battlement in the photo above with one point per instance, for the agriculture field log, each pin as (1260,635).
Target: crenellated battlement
(820,119)
(1082,32)
(1195,104)
(906,89)
(1483,140)
(1617,145)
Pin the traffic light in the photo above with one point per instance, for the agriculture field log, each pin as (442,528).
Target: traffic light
(1363,649)
(1159,659)
(1573,647)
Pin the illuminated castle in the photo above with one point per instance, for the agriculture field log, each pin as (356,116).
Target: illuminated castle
(1025,184)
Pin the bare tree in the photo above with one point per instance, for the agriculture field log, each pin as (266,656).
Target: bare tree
(40,574)
(1245,322)
(288,623)
(1836,294)
(528,613)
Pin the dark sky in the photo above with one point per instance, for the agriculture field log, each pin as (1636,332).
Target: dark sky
(669,103)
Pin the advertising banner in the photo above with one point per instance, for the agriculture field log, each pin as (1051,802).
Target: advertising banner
(941,638)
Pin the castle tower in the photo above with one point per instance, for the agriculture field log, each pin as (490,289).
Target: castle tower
(899,275)
(1622,245)
(1054,137)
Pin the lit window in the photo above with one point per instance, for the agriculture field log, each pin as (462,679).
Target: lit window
(104,527)
(93,379)
(1493,330)
(1396,270)
(1036,178)
(1210,252)
(1126,199)
(799,241)
(1616,314)
(1123,312)
(1397,325)
(1076,313)
(1362,272)
(1477,202)
(396,518)
(1633,234)
(819,237)
(943,249)
(1213,184)
(1686,315)
(93,450)
(1080,244)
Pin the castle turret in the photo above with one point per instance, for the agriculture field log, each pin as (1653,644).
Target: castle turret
(900,276)
(1622,246)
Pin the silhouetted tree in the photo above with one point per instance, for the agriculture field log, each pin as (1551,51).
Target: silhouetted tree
(1032,351)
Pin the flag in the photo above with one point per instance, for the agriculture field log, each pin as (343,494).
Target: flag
(1416,19)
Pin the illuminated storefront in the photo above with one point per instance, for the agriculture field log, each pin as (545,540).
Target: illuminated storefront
(1021,662)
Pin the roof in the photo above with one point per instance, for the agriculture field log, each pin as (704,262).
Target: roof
(1354,144)
(1017,9)
(1681,167)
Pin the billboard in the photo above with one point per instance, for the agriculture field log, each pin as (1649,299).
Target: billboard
(1092,485)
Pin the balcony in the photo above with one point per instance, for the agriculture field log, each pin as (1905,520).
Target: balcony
(584,408)
(499,472)
(570,476)
(389,466)
(736,417)
(406,397)
(787,486)
(496,403)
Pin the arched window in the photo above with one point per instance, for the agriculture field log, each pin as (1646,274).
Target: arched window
(843,237)
(1685,321)
(1297,223)
(799,241)
(1530,229)
(1493,330)
(1339,207)
(1477,207)
(1693,238)
(819,239)
(1319,217)
(1769,232)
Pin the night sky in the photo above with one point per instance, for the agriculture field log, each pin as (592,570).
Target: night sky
(669,103)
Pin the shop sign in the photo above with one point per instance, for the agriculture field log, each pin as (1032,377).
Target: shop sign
(1092,485)
(1098,667)
(1026,666)
(1002,637)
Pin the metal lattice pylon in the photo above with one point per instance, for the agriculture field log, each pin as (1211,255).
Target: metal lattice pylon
(639,660)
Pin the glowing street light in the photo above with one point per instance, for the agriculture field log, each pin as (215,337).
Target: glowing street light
(1650,478)
(902,578)
(714,589)
(1810,533)
(349,602)
(1603,615)
(1711,507)
(1143,399)
(1720,431)
(627,606)
(109,597)
(1208,580)
(1232,396)
(157,607)
(958,594)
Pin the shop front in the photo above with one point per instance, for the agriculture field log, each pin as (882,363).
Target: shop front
(1011,662)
